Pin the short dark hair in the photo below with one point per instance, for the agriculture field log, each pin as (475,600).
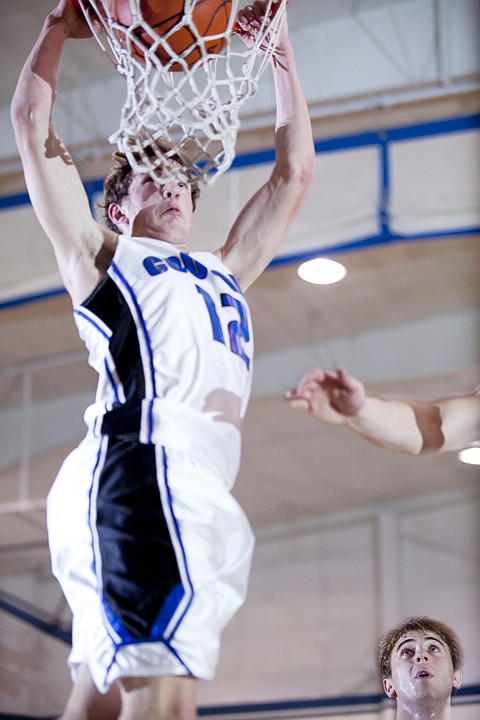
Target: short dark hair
(418,624)
(117,182)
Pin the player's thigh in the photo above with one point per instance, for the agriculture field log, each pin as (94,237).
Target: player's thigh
(158,698)
(86,701)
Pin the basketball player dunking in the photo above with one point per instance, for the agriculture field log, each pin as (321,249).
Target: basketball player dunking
(150,548)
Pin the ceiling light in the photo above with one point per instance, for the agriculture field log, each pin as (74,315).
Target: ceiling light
(470,455)
(321,271)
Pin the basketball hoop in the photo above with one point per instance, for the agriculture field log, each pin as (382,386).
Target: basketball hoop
(192,104)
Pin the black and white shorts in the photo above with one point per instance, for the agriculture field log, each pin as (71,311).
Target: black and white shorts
(153,555)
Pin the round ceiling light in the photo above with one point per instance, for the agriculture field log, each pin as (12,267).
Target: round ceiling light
(321,271)
(470,455)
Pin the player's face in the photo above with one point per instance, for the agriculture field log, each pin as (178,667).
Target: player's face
(160,211)
(422,670)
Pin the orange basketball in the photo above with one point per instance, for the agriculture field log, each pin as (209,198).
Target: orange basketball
(210,18)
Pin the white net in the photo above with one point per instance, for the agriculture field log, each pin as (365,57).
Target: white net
(186,85)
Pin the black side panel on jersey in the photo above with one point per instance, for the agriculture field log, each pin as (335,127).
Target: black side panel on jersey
(109,305)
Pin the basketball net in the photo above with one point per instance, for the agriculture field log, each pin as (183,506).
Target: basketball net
(195,110)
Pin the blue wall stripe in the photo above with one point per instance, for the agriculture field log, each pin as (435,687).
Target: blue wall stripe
(437,127)
(368,242)
(350,704)
(380,139)
(254,158)
(383,214)
(10,201)
(25,299)
(347,142)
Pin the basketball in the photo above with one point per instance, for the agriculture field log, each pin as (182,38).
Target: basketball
(210,18)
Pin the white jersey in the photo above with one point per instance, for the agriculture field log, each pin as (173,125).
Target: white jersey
(169,334)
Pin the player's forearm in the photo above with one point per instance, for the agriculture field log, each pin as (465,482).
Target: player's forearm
(392,425)
(419,428)
(36,88)
(295,154)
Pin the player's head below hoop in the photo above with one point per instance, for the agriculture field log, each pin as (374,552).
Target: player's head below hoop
(420,662)
(119,179)
(425,625)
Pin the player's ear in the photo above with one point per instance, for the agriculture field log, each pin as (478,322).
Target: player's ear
(457,679)
(116,214)
(388,688)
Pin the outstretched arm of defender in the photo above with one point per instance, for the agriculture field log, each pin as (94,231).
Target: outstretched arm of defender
(401,425)
(53,183)
(263,223)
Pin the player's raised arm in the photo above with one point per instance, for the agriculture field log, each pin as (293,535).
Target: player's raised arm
(263,223)
(401,425)
(53,183)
